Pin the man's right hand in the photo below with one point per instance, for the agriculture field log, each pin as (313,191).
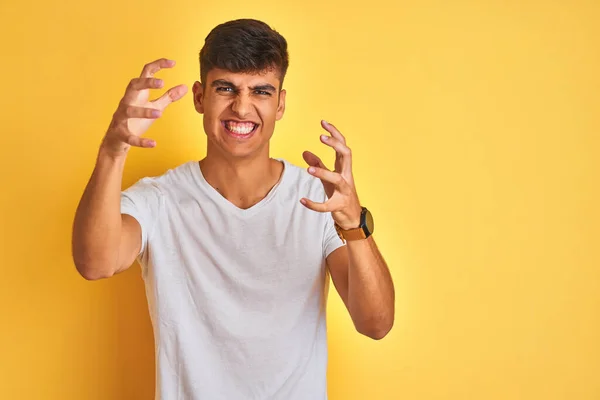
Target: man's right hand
(136,112)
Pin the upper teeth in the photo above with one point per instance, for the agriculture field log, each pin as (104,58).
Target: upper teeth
(242,128)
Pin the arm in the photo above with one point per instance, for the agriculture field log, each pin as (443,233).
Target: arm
(105,242)
(358,270)
(363,281)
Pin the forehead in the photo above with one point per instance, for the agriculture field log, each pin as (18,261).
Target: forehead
(243,79)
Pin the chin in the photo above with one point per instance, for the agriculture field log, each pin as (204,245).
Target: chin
(235,148)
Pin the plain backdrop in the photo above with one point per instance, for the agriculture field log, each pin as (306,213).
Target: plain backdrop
(474,128)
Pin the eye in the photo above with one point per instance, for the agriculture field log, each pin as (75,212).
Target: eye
(262,92)
(224,89)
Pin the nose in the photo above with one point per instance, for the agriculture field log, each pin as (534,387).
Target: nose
(241,106)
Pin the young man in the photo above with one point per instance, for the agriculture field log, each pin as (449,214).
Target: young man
(235,249)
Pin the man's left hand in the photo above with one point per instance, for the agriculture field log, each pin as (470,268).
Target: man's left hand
(339,186)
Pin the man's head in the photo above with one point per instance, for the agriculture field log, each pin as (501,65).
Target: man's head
(244,46)
(242,67)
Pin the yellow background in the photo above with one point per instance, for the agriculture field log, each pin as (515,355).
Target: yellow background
(474,126)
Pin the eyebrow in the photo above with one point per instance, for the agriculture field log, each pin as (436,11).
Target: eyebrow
(222,82)
(264,87)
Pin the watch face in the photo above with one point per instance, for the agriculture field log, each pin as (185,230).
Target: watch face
(369,221)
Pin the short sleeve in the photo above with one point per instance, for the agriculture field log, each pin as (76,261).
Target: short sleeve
(331,239)
(143,201)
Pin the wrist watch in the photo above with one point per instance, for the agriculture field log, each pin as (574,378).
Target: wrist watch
(364,230)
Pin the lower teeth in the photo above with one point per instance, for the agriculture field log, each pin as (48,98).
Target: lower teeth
(240,132)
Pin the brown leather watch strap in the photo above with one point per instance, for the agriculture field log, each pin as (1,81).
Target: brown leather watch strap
(354,234)
(351,234)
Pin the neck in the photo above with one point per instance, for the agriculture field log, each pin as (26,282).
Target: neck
(242,181)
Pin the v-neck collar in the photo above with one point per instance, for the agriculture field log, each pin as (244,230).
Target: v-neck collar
(223,202)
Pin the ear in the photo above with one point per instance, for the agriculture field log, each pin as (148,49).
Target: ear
(281,106)
(198,97)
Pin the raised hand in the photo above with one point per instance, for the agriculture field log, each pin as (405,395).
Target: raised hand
(136,112)
(339,186)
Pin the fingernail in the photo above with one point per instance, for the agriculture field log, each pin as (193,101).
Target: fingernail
(325,122)
(156,113)
(303,201)
(312,170)
(324,137)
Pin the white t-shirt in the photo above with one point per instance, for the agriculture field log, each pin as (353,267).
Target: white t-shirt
(236,297)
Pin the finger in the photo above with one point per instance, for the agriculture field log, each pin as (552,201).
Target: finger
(155,66)
(128,111)
(145,83)
(313,160)
(170,96)
(319,207)
(332,177)
(138,84)
(333,130)
(139,141)
(340,148)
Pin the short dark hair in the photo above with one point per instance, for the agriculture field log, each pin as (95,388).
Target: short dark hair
(244,45)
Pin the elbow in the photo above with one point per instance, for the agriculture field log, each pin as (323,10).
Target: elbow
(92,271)
(91,268)
(93,275)
(376,329)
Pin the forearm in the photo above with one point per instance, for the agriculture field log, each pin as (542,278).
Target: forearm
(370,289)
(97,224)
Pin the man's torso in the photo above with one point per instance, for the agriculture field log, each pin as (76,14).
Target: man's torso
(236,297)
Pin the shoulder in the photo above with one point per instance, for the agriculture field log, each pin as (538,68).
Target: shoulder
(172,178)
(300,181)
(297,174)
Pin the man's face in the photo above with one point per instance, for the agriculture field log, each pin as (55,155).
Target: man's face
(240,110)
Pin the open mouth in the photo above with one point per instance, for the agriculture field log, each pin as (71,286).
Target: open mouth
(240,129)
